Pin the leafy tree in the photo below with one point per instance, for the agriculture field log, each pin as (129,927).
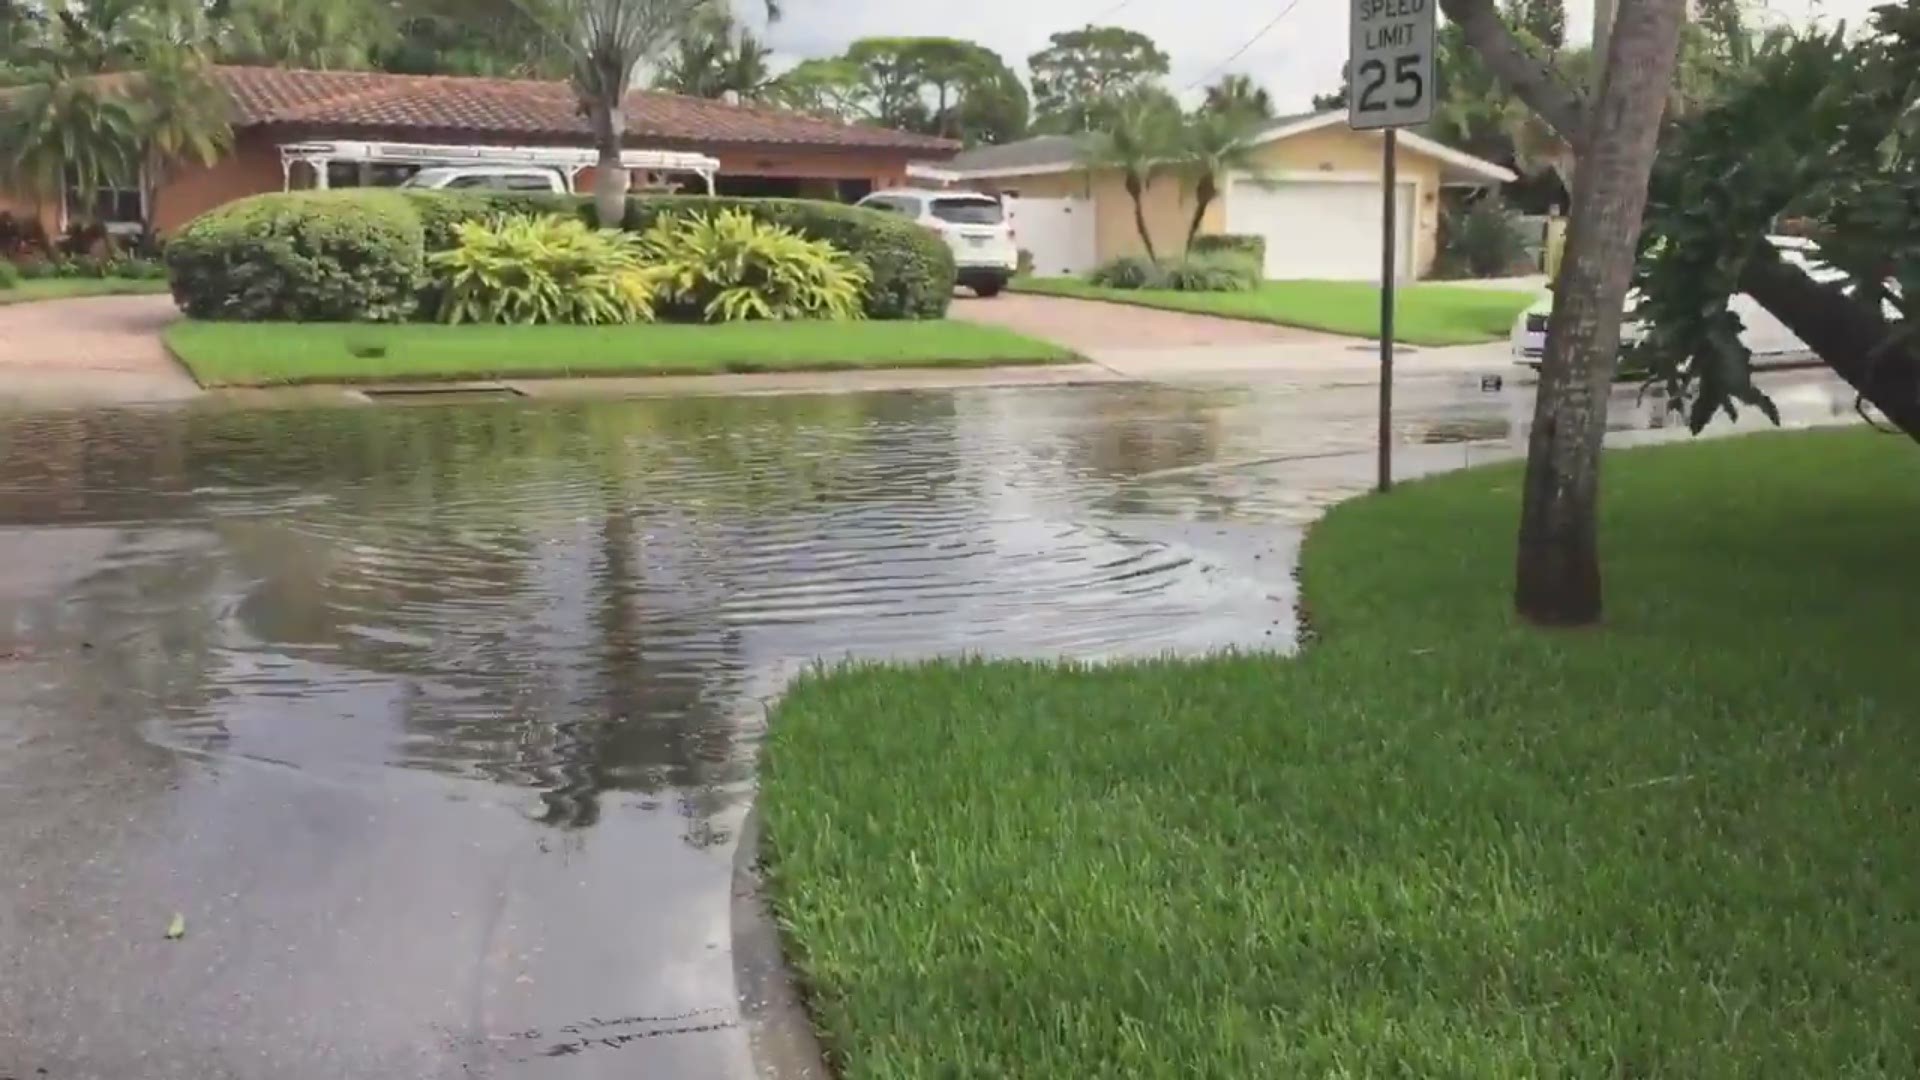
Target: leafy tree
(1142,143)
(1614,137)
(1545,21)
(470,37)
(1213,145)
(1821,130)
(1085,76)
(892,82)
(1239,95)
(957,74)
(994,109)
(934,85)
(831,88)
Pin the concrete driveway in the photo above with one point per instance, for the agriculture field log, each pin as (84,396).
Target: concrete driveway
(1092,327)
(1150,345)
(93,350)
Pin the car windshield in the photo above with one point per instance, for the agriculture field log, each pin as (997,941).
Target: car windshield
(969,211)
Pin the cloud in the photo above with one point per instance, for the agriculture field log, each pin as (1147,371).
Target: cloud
(1300,56)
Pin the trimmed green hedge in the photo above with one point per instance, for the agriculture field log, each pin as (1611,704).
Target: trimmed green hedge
(1247,244)
(312,256)
(280,257)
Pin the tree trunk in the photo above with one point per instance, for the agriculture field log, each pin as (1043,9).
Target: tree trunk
(1857,342)
(1138,192)
(1558,578)
(1204,193)
(610,180)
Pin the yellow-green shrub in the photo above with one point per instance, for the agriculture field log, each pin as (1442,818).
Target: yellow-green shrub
(731,267)
(527,270)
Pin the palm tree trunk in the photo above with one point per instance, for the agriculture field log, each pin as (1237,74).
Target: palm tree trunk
(1558,567)
(1203,195)
(610,180)
(1137,191)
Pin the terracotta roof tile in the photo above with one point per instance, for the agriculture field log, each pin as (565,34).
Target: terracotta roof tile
(345,103)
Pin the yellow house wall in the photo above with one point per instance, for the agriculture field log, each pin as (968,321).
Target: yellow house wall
(1333,152)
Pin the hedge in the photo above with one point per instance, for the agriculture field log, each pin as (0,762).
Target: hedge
(911,268)
(311,256)
(1249,244)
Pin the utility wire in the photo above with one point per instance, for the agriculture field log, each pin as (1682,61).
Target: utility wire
(1251,42)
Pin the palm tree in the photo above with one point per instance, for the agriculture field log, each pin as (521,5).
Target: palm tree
(1216,144)
(180,116)
(66,131)
(321,34)
(1239,95)
(605,40)
(717,61)
(1141,142)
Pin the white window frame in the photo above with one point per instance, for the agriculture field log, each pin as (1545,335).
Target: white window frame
(114,228)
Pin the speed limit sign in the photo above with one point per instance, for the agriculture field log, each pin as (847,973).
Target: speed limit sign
(1390,77)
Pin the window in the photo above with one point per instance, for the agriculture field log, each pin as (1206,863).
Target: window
(528,183)
(970,211)
(118,208)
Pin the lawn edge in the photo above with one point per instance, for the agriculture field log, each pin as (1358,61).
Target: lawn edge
(1027,289)
(13,297)
(782,1037)
(1066,357)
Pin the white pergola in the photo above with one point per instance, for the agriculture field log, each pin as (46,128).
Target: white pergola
(570,161)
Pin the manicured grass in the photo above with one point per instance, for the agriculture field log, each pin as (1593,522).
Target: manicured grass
(262,354)
(1426,314)
(1438,844)
(68,288)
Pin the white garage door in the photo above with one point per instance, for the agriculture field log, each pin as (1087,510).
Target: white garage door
(1319,228)
(1059,233)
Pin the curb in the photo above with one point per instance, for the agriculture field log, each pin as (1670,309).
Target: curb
(780,1034)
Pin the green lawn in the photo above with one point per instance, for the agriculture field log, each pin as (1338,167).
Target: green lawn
(1426,314)
(263,354)
(69,288)
(1438,844)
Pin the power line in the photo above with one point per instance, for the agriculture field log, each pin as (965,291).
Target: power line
(1251,42)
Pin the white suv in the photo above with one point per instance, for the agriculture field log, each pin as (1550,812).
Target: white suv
(487,178)
(973,225)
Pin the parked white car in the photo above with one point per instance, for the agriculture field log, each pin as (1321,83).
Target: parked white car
(488,178)
(975,226)
(1765,336)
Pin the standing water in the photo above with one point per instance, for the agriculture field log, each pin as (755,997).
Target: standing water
(433,724)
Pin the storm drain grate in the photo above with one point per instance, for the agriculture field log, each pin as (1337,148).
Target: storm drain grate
(453,392)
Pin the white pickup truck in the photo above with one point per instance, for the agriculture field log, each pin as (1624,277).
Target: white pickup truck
(488,178)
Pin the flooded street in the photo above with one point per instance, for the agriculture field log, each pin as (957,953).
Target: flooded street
(436,722)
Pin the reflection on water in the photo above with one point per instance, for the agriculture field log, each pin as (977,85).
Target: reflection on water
(573,601)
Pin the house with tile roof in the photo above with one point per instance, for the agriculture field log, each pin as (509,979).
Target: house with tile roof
(760,150)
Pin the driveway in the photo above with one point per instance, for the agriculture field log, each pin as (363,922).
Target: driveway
(1092,327)
(97,349)
(1150,345)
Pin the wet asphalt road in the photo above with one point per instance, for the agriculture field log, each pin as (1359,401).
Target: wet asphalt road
(436,723)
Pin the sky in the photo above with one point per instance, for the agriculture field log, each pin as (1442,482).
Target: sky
(1299,56)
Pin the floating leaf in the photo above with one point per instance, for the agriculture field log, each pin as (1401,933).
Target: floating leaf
(177,929)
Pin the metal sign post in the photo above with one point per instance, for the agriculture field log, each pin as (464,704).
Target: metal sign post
(1389,86)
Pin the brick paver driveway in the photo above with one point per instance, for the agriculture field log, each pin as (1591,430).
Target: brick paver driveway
(1090,326)
(98,349)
